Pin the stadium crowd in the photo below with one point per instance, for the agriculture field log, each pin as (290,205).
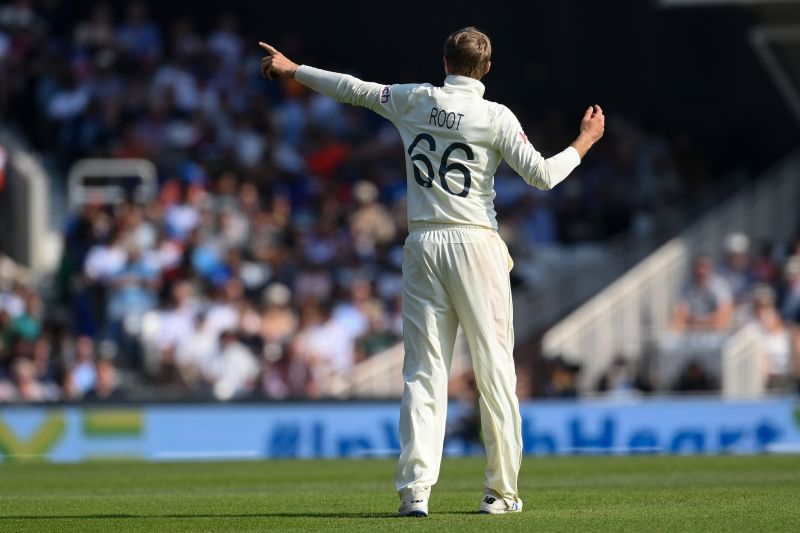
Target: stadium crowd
(269,262)
(757,290)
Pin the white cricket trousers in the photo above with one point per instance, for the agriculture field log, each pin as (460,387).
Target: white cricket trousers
(457,274)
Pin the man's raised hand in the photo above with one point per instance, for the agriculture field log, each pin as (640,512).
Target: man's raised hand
(275,64)
(593,123)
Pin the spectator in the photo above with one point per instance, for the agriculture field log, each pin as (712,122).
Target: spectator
(175,81)
(176,325)
(790,290)
(537,220)
(105,261)
(736,269)
(197,351)
(225,42)
(706,302)
(139,37)
(278,321)
(7,392)
(563,379)
(27,388)
(378,336)
(28,324)
(765,268)
(776,342)
(352,314)
(233,370)
(106,387)
(69,101)
(181,218)
(43,362)
(97,32)
(83,371)
(12,303)
(325,346)
(371,224)
(693,378)
(621,380)
(133,293)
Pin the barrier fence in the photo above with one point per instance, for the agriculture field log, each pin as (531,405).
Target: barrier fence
(344,429)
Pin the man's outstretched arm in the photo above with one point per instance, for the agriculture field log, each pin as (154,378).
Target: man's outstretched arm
(383,99)
(528,162)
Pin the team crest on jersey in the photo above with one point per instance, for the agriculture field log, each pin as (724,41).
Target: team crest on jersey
(385,93)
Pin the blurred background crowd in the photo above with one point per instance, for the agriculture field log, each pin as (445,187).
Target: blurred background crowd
(745,288)
(268,263)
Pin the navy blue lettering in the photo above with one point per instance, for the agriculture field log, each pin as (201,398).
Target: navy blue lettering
(285,441)
(729,437)
(318,438)
(424,181)
(445,119)
(688,441)
(392,435)
(533,442)
(353,445)
(644,441)
(603,441)
(444,168)
(766,434)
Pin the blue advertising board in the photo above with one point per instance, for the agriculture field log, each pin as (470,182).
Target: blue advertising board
(345,429)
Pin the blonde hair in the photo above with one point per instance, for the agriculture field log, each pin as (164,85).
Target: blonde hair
(468,52)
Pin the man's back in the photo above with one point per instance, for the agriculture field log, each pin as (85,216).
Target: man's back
(449,136)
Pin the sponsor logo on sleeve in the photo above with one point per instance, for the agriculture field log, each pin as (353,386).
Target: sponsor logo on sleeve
(385,94)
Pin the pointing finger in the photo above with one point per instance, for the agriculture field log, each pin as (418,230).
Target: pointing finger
(270,50)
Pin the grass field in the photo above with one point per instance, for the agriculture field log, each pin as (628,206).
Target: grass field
(730,493)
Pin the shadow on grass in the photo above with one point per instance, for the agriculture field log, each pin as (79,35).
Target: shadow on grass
(244,515)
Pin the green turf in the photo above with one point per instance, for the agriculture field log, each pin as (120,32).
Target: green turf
(561,494)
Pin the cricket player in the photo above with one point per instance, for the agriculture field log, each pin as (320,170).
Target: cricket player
(455,265)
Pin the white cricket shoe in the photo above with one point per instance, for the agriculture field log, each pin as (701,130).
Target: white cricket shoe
(416,507)
(494,505)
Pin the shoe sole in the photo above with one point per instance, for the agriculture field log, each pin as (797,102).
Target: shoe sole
(416,514)
(483,510)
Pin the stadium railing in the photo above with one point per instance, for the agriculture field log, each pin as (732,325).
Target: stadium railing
(742,366)
(580,271)
(111,181)
(624,317)
(24,208)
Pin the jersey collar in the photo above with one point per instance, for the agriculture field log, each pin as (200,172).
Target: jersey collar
(464,84)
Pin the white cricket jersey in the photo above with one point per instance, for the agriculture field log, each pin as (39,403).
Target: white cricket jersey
(454,141)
